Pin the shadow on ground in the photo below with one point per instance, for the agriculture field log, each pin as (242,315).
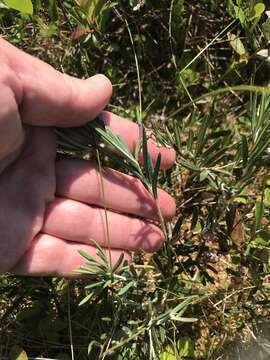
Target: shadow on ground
(257,349)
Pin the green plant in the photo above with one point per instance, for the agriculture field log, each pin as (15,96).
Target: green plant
(200,68)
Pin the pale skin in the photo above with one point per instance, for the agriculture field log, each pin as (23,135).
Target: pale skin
(50,208)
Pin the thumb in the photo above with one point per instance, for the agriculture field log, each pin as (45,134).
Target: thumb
(50,98)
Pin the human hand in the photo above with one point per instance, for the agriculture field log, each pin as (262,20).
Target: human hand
(52,208)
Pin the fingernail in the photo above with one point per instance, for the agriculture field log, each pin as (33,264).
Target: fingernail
(98,78)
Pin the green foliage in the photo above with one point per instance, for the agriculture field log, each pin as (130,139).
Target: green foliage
(16,353)
(24,6)
(246,11)
(266,27)
(97,137)
(201,69)
(93,9)
(183,349)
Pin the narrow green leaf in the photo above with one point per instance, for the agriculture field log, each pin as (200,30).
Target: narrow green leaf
(91,345)
(177,226)
(91,260)
(155,176)
(244,150)
(183,319)
(94,285)
(133,271)
(236,44)
(37,6)
(86,256)
(216,157)
(190,167)
(240,14)
(137,149)
(116,142)
(53,11)
(177,135)
(190,141)
(86,299)
(118,263)
(91,8)
(266,29)
(203,175)
(87,270)
(256,154)
(195,217)
(267,197)
(147,161)
(259,211)
(212,148)
(101,254)
(120,160)
(125,288)
(201,140)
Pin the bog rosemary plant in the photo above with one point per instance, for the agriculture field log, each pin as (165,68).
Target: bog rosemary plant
(92,137)
(93,140)
(122,283)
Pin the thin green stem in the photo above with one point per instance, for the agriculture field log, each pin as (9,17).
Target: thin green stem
(240,88)
(138,72)
(207,46)
(107,233)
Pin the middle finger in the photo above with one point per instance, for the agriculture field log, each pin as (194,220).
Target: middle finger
(78,222)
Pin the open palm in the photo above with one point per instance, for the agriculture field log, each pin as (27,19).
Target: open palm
(51,208)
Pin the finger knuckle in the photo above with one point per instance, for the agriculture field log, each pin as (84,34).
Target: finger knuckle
(9,78)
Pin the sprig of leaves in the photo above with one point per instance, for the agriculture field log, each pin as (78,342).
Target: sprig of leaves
(94,135)
(93,138)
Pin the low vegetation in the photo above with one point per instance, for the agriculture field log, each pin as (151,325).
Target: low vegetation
(197,74)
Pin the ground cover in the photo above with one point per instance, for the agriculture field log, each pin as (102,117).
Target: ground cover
(202,69)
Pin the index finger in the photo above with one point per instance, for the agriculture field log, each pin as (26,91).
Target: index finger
(47,97)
